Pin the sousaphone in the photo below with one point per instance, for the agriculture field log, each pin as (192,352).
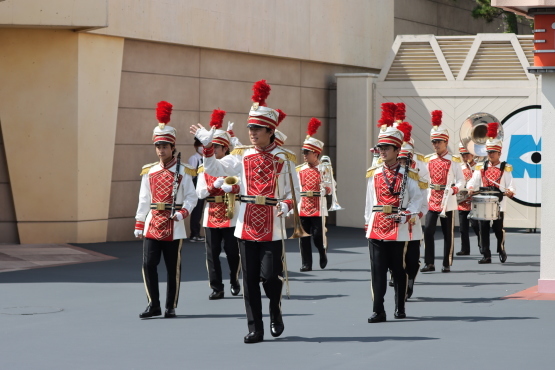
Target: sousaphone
(473,133)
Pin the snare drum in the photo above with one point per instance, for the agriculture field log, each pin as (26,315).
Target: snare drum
(484,208)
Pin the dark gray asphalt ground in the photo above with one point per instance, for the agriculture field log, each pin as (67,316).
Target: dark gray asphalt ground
(455,321)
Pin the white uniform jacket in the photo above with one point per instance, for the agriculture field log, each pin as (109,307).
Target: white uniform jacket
(377,194)
(156,187)
(311,180)
(506,181)
(214,214)
(258,172)
(444,171)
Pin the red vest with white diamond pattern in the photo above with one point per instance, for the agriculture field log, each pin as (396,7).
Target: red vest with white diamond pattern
(161,186)
(386,228)
(492,174)
(467,172)
(439,170)
(310,181)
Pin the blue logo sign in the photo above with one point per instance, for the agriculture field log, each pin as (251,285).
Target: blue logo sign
(525,156)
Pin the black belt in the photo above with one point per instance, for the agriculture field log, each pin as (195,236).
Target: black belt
(164,206)
(215,199)
(310,193)
(437,187)
(385,208)
(259,199)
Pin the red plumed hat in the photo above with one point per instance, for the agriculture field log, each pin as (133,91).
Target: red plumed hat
(281,116)
(400,112)
(388,114)
(261,91)
(313,126)
(163,111)
(492,129)
(217,118)
(436,117)
(406,129)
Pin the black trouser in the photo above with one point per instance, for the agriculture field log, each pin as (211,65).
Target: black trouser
(384,256)
(313,226)
(261,262)
(412,259)
(196,216)
(499,234)
(214,239)
(152,252)
(464,224)
(448,239)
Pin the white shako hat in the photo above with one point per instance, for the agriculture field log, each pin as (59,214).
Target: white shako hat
(280,137)
(260,114)
(389,135)
(407,149)
(463,149)
(311,143)
(493,144)
(438,132)
(164,133)
(220,137)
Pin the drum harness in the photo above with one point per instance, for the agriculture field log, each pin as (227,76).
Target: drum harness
(493,188)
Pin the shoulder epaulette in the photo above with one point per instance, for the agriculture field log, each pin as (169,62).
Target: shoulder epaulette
(189,170)
(478,167)
(299,167)
(420,157)
(147,167)
(427,158)
(508,167)
(240,149)
(379,160)
(456,158)
(371,170)
(200,169)
(290,155)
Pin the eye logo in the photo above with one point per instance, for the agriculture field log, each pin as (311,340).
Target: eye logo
(522,148)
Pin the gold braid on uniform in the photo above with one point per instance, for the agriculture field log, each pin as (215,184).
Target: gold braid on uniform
(370,171)
(508,167)
(299,167)
(240,149)
(457,159)
(420,157)
(189,170)
(427,158)
(200,169)
(147,167)
(479,167)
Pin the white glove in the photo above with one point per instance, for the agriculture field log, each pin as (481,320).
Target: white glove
(230,125)
(205,136)
(138,233)
(178,216)
(227,188)
(218,182)
(283,207)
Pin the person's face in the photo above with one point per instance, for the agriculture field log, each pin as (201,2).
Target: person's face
(219,151)
(494,156)
(164,151)
(403,161)
(468,158)
(259,136)
(309,156)
(440,146)
(388,153)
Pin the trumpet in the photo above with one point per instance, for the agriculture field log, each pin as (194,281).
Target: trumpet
(229,197)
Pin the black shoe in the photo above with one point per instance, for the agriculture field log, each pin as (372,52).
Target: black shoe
(410,288)
(323,260)
(170,313)
(462,253)
(428,268)
(446,269)
(235,288)
(216,295)
(377,317)
(151,311)
(502,256)
(254,337)
(305,268)
(400,314)
(484,260)
(277,327)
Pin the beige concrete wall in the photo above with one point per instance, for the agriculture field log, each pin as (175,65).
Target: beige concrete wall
(75,14)
(196,81)
(8,225)
(59,98)
(442,18)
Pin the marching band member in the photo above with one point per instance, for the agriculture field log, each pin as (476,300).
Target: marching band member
(219,216)
(392,199)
(313,206)
(468,166)
(265,196)
(164,201)
(407,157)
(493,175)
(446,179)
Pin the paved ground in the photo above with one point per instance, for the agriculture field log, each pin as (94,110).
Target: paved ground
(458,320)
